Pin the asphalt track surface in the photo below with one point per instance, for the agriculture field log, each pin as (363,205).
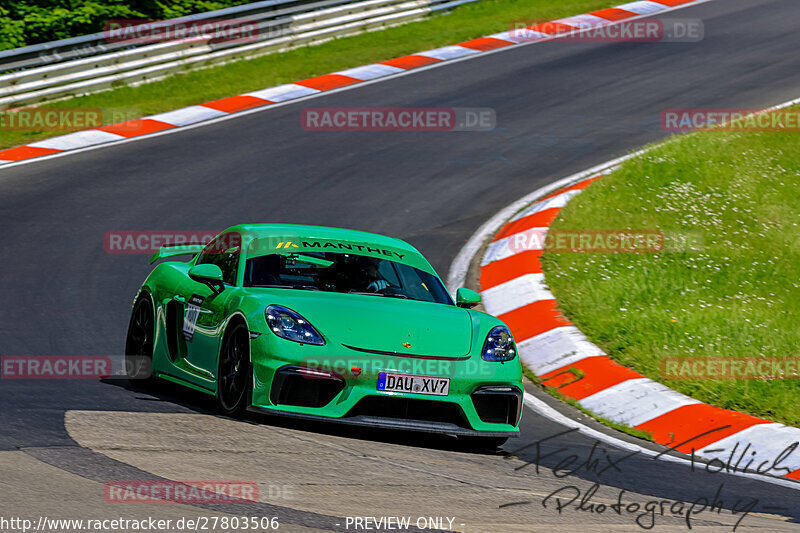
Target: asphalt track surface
(561,107)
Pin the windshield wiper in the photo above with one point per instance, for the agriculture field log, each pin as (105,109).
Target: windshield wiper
(385,295)
(299,287)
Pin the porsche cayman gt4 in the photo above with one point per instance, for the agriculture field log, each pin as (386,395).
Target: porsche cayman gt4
(325,324)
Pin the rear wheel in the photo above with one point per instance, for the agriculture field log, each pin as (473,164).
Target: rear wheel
(234,376)
(139,342)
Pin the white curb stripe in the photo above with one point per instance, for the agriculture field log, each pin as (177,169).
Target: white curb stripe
(77,139)
(530,239)
(635,401)
(556,348)
(516,293)
(280,93)
(370,72)
(556,202)
(643,7)
(521,35)
(767,443)
(583,21)
(448,52)
(187,115)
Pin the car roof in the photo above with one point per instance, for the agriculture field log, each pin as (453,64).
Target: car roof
(321,232)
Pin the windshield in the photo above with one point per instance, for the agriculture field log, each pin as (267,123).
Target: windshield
(345,273)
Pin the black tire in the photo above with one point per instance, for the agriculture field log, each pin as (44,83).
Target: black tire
(234,376)
(140,341)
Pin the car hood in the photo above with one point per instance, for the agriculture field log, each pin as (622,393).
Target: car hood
(377,323)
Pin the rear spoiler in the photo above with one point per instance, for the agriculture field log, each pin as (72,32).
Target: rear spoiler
(172,250)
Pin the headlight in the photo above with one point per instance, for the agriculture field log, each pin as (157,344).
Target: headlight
(287,324)
(499,345)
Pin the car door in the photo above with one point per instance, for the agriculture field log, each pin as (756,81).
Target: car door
(205,309)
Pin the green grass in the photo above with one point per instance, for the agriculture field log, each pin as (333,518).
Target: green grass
(736,294)
(470,21)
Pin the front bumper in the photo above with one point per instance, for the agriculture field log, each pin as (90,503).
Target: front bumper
(339,384)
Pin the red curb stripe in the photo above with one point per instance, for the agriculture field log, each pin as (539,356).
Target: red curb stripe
(411,61)
(233,104)
(498,272)
(580,185)
(485,43)
(614,13)
(673,3)
(542,219)
(533,319)
(134,128)
(552,28)
(794,475)
(326,82)
(688,421)
(600,373)
(25,152)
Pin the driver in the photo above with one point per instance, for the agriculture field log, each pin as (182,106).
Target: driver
(370,271)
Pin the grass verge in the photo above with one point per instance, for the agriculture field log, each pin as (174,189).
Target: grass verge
(737,294)
(464,23)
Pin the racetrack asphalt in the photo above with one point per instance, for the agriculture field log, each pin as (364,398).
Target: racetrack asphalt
(561,107)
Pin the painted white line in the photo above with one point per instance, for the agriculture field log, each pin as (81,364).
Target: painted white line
(316,94)
(541,408)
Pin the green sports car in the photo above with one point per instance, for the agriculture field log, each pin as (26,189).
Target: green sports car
(325,324)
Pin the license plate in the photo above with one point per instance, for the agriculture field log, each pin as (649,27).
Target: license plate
(413,384)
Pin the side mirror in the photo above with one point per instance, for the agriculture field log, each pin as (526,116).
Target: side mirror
(209,274)
(467,298)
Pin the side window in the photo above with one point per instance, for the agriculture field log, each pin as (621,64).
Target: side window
(224,251)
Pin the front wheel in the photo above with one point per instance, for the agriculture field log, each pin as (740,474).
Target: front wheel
(234,376)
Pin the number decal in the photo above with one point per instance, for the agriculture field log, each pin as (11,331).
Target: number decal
(191,315)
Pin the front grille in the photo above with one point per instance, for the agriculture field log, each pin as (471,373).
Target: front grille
(409,409)
(294,386)
(498,404)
